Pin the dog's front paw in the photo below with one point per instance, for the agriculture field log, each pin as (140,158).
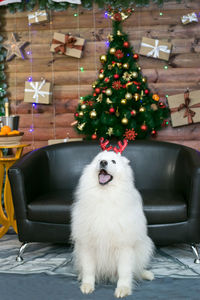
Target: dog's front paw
(122,291)
(87,288)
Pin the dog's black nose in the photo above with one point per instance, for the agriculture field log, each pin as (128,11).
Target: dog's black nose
(103,163)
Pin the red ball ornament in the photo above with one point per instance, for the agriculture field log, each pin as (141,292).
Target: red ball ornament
(94,94)
(138,87)
(76,114)
(116,76)
(103,91)
(133,112)
(153,133)
(101,70)
(162,105)
(135,56)
(126,44)
(146,91)
(94,136)
(107,79)
(112,110)
(124,86)
(143,127)
(97,90)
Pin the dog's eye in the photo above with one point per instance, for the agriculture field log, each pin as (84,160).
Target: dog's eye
(113,161)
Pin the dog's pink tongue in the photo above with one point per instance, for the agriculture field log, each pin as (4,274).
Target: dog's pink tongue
(103,178)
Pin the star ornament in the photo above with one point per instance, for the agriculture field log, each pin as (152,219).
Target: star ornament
(14,47)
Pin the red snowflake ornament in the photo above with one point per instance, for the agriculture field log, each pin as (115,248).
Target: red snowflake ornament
(119,54)
(117,85)
(130,134)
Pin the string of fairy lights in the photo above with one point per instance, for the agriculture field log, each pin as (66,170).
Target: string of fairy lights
(53,78)
(80,68)
(30,79)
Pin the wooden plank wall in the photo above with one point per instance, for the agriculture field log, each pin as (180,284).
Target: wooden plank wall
(53,121)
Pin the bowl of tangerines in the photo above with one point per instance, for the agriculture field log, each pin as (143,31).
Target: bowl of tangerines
(10,137)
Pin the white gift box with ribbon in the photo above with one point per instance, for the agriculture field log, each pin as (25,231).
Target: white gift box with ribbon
(155,48)
(38,92)
(37,17)
(189,18)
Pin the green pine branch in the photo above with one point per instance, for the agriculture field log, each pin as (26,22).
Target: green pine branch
(87,4)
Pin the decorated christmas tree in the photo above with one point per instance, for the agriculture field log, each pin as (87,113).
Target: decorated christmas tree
(121,104)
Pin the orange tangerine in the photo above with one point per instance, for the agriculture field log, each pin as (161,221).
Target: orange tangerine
(14,132)
(5,129)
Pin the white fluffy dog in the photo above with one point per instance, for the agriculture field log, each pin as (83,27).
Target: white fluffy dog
(109,228)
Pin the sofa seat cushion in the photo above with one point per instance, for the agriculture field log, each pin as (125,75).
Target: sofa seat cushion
(163,207)
(54,207)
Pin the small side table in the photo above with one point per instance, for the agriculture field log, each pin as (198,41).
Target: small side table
(7,214)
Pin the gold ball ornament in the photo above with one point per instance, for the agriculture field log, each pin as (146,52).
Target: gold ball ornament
(94,84)
(136,96)
(108,92)
(128,96)
(112,50)
(123,101)
(124,121)
(83,106)
(101,76)
(80,114)
(155,97)
(144,79)
(93,114)
(103,58)
(134,74)
(126,66)
(142,109)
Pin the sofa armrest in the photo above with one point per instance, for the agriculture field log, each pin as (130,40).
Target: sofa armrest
(188,171)
(28,179)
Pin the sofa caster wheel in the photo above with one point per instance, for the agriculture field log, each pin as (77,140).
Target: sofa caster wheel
(197,261)
(19,257)
(196,253)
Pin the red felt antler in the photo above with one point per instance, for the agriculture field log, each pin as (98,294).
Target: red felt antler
(104,144)
(121,147)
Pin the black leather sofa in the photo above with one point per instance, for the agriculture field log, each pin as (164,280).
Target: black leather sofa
(167,175)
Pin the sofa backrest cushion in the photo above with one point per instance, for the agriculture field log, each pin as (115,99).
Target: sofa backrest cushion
(153,163)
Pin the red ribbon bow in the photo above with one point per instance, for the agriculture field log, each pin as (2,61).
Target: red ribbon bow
(68,43)
(189,113)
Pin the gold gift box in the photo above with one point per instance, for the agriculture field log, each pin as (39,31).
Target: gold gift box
(38,92)
(67,44)
(183,113)
(155,48)
(37,17)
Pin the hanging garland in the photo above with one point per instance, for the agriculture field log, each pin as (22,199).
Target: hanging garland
(87,4)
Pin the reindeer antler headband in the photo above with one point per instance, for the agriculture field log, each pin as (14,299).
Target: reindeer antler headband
(105,143)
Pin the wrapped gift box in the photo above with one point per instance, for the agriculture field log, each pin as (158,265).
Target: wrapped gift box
(38,92)
(67,44)
(184,111)
(37,17)
(155,48)
(189,18)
